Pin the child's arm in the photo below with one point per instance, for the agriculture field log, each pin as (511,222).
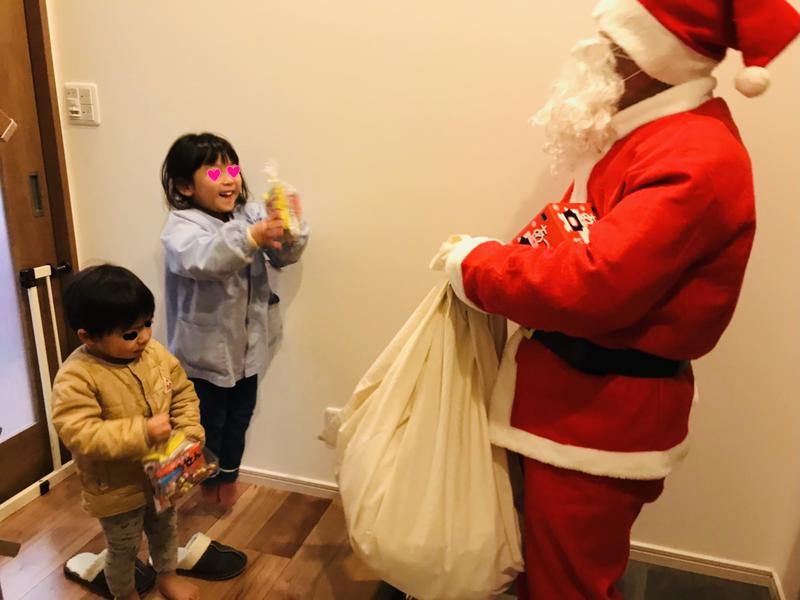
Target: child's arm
(184,409)
(77,418)
(290,252)
(194,252)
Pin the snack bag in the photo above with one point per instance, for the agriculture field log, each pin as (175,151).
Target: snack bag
(280,199)
(176,466)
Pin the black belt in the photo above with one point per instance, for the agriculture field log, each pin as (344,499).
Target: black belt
(592,359)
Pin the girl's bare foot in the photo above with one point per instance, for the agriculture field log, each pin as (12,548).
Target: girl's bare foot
(227,495)
(173,587)
(209,497)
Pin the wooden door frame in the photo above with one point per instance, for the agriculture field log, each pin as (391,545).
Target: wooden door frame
(55,162)
(60,205)
(44,82)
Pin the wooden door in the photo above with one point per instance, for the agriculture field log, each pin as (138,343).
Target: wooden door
(30,220)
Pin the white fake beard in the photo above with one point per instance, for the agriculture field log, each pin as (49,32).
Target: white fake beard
(577,117)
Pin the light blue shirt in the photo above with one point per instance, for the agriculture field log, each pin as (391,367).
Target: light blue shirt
(220,322)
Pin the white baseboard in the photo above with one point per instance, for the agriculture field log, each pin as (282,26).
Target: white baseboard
(290,483)
(708,565)
(33,491)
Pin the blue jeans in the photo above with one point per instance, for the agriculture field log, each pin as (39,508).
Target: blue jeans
(225,414)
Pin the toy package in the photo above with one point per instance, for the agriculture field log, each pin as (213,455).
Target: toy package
(281,200)
(557,223)
(176,466)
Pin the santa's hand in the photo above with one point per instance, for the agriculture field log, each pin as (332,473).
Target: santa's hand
(440,259)
(449,258)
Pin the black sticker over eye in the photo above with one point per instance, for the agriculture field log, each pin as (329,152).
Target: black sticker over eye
(130,336)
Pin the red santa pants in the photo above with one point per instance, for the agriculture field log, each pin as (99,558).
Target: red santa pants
(577,532)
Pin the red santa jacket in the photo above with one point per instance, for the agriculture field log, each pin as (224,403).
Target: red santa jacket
(662,273)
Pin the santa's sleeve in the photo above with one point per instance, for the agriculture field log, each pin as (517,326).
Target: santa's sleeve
(678,211)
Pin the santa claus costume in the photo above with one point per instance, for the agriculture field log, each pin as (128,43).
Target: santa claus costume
(596,387)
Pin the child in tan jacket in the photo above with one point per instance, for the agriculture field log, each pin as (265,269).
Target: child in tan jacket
(114,398)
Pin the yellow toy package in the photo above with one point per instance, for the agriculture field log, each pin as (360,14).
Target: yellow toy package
(280,199)
(176,466)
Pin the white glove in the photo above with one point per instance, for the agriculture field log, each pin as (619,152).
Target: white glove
(440,259)
(448,259)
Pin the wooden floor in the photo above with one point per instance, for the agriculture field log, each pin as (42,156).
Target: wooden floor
(296,545)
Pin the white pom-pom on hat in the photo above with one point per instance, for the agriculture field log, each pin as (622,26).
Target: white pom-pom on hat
(753,81)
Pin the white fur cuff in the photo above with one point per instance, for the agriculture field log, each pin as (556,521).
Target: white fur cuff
(452,265)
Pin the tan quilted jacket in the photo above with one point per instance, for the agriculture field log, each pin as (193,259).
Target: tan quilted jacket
(99,411)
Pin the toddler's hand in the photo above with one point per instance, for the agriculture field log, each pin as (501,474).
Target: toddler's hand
(269,232)
(158,428)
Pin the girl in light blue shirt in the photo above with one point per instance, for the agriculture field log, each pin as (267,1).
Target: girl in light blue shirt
(222,316)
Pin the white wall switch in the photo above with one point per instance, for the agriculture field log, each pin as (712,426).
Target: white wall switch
(83,105)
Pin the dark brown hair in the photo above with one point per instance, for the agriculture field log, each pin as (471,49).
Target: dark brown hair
(189,153)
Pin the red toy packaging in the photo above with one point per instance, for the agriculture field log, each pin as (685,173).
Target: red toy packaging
(559,222)
(177,466)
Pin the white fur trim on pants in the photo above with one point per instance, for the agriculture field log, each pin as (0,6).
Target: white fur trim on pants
(623,465)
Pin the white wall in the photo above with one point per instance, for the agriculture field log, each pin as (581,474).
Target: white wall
(401,123)
(738,494)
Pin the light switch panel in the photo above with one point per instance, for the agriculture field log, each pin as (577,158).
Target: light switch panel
(82,103)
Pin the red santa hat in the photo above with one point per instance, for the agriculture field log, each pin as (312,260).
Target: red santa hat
(676,41)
